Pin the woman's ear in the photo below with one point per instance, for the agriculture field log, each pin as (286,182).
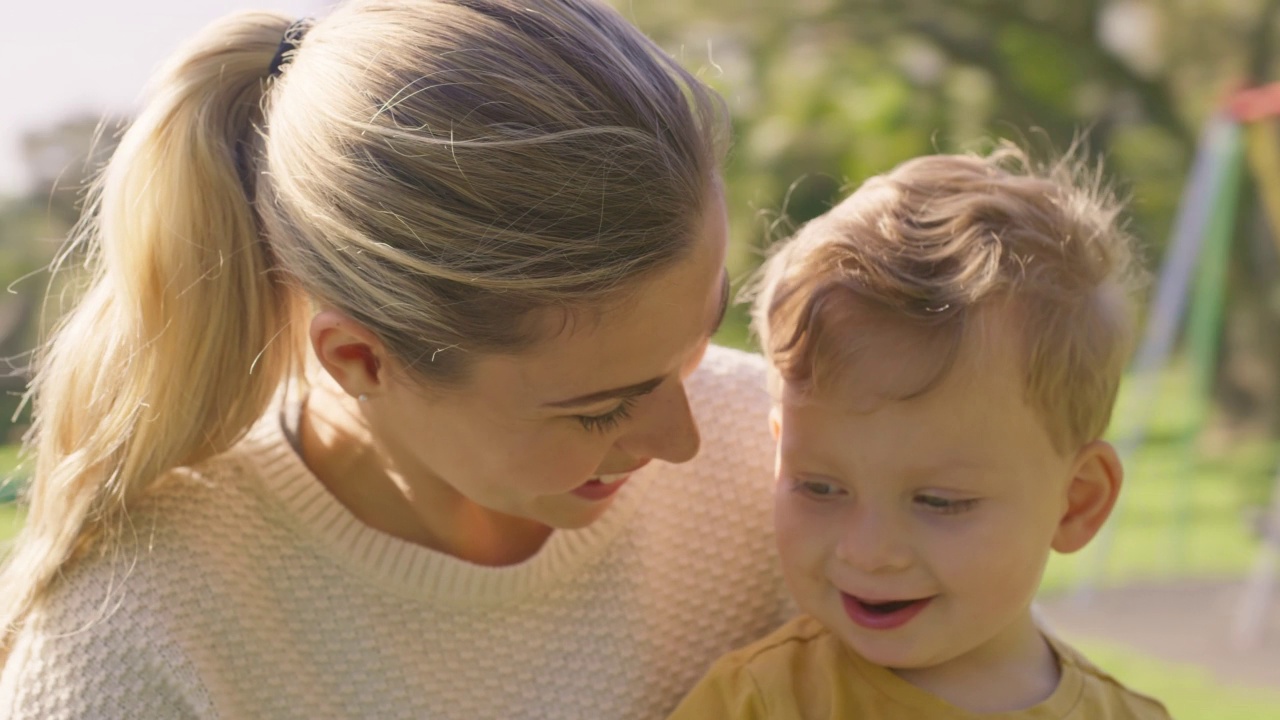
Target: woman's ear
(353,356)
(1091,495)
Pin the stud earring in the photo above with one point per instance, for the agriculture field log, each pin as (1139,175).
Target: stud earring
(363,397)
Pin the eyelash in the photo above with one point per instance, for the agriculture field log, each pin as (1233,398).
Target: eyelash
(607,421)
(932,503)
(810,487)
(942,506)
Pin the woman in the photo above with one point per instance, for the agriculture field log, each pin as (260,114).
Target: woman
(381,402)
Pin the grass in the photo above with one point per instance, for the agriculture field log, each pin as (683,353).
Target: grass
(1188,692)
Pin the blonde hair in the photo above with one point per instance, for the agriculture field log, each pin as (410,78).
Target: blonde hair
(928,246)
(436,169)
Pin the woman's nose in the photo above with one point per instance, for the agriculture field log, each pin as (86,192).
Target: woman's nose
(665,429)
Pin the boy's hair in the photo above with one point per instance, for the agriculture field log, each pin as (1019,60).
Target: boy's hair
(928,246)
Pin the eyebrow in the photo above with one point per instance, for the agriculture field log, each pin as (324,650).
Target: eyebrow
(647,386)
(640,388)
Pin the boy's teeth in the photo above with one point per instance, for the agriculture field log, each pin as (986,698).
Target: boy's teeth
(610,479)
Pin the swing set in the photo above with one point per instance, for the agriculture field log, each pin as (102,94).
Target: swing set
(1190,295)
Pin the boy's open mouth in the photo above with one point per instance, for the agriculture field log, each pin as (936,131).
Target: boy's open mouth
(882,615)
(886,607)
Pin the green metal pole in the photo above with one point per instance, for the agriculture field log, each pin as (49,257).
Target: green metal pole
(1204,331)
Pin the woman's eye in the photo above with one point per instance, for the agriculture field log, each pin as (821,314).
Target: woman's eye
(945,506)
(607,421)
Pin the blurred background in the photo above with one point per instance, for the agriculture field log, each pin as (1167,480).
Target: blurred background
(1179,597)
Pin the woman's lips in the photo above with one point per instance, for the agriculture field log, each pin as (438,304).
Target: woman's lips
(882,615)
(594,489)
(603,486)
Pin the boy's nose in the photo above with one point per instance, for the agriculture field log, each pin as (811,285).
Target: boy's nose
(665,428)
(872,543)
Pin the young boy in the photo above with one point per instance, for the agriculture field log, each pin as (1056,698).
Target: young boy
(946,346)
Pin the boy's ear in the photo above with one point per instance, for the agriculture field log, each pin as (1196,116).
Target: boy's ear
(775,421)
(1091,495)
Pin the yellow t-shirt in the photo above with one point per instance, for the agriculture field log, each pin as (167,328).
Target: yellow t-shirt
(803,672)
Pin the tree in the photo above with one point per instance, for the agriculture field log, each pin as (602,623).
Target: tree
(62,159)
(825,93)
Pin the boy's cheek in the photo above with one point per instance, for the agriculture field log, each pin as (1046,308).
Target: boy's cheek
(800,552)
(799,535)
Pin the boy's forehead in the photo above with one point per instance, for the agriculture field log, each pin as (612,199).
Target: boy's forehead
(866,365)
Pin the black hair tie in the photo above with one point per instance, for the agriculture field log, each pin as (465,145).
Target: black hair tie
(289,45)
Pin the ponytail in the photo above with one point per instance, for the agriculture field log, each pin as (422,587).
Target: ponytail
(185,331)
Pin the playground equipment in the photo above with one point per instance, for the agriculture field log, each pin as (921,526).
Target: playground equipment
(1191,288)
(1256,107)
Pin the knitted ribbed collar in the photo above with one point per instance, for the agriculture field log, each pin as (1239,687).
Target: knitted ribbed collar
(408,570)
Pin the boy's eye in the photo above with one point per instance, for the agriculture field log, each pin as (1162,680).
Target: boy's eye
(609,420)
(817,489)
(945,506)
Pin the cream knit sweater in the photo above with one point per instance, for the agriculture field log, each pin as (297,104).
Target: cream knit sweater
(248,592)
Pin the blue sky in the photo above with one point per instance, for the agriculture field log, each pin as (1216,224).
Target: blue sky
(61,57)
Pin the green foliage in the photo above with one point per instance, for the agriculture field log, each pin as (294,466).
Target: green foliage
(11,476)
(33,229)
(1035,64)
(733,331)
(1149,164)
(826,93)
(63,158)
(11,518)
